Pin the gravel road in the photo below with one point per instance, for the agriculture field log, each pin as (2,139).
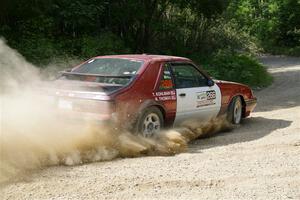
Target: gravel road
(258,160)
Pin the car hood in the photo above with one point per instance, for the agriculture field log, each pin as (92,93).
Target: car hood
(229,82)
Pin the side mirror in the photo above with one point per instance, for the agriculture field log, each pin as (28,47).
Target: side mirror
(210,82)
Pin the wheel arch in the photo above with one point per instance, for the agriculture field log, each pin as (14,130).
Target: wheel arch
(150,103)
(243,103)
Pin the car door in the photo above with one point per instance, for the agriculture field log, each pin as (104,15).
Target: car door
(195,98)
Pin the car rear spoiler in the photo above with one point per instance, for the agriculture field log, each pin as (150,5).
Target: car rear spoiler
(96,75)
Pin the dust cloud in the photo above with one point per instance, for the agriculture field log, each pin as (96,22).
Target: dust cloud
(34,135)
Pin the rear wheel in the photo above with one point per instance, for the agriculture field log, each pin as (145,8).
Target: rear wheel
(150,122)
(235,111)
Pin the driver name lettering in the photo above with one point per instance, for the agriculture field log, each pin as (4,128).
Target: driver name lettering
(165,95)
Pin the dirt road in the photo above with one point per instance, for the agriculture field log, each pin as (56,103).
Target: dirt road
(258,160)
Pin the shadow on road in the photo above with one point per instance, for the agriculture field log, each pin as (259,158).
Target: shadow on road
(252,129)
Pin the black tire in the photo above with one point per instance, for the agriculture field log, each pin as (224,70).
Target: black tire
(235,111)
(153,115)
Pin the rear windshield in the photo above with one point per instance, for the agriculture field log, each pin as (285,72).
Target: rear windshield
(124,68)
(110,66)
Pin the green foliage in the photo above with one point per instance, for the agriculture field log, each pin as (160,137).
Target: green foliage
(275,23)
(37,49)
(106,43)
(239,68)
(45,29)
(289,24)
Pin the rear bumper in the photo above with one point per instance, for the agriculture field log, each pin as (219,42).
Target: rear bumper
(250,105)
(74,117)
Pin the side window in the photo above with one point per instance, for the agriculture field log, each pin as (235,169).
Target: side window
(187,76)
(166,82)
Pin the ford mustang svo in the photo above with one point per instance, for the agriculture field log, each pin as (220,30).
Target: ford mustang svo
(145,93)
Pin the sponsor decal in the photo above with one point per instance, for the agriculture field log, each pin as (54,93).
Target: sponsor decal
(206,98)
(165,95)
(201,96)
(166,84)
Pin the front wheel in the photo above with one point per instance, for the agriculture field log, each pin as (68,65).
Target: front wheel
(235,110)
(150,122)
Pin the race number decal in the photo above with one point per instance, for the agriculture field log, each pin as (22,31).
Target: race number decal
(206,98)
(211,94)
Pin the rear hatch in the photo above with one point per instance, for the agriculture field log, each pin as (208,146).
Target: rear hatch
(86,89)
(81,99)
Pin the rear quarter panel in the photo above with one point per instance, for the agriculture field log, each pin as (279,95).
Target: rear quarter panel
(140,95)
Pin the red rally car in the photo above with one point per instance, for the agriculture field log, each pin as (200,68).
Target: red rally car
(144,93)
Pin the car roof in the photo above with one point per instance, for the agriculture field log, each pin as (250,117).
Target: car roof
(146,57)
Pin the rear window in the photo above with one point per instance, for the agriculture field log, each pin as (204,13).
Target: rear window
(123,69)
(110,66)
